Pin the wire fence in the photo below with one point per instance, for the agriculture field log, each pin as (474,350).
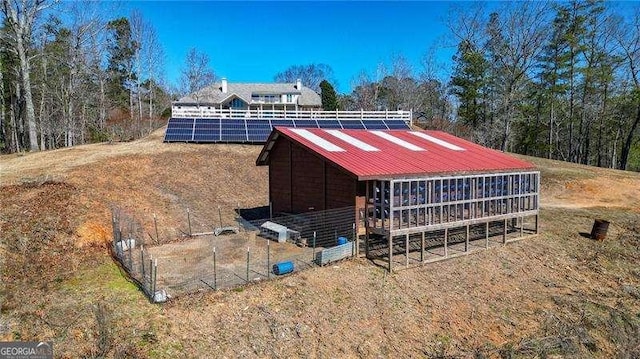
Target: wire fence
(233,256)
(128,249)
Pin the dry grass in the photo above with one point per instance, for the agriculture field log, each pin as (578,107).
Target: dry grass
(558,294)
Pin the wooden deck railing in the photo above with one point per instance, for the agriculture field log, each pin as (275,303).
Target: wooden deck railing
(205,112)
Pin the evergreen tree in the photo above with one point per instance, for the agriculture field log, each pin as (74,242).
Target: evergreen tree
(328,96)
(468,83)
(121,49)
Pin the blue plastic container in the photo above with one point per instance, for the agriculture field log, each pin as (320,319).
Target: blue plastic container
(283,268)
(342,240)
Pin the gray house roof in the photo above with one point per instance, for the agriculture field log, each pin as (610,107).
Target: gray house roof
(213,94)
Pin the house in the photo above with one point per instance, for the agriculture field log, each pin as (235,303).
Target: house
(253,96)
(405,187)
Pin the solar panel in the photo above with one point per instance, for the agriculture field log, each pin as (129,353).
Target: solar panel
(233,130)
(207,130)
(374,124)
(352,124)
(258,130)
(397,124)
(282,123)
(329,123)
(306,123)
(179,130)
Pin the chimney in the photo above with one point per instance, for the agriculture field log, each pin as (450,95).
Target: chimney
(224,85)
(298,84)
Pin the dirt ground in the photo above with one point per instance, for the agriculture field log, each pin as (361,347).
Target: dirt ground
(556,295)
(187,266)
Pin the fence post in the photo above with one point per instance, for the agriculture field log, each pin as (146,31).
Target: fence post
(189,220)
(142,261)
(130,256)
(215,275)
(115,228)
(268,260)
(155,278)
(150,274)
(155,223)
(247,264)
(353,245)
(314,247)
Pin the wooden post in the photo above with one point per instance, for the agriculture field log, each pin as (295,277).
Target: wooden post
(406,249)
(155,223)
(189,220)
(536,224)
(142,261)
(354,251)
(150,274)
(466,243)
(486,235)
(215,274)
(155,278)
(390,252)
(422,248)
(268,260)
(366,219)
(130,255)
(247,264)
(446,235)
(314,247)
(504,232)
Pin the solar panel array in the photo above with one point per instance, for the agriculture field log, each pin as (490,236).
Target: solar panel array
(239,130)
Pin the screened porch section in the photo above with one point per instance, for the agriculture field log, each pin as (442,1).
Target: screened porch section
(433,203)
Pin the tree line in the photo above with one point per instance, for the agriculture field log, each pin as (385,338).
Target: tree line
(559,80)
(551,79)
(77,78)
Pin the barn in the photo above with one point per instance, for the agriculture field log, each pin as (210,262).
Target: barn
(417,196)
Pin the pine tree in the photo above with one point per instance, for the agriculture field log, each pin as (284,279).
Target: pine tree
(122,49)
(328,96)
(468,83)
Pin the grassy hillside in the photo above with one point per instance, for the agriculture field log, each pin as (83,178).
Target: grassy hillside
(558,293)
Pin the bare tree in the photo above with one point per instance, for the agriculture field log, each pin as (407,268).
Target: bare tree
(311,75)
(153,55)
(21,17)
(516,49)
(196,74)
(367,91)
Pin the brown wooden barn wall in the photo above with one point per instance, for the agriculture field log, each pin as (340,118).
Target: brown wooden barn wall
(280,177)
(300,181)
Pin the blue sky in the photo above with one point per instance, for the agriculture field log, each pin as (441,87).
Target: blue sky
(252,41)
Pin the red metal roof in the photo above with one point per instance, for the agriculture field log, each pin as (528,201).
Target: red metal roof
(395,153)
